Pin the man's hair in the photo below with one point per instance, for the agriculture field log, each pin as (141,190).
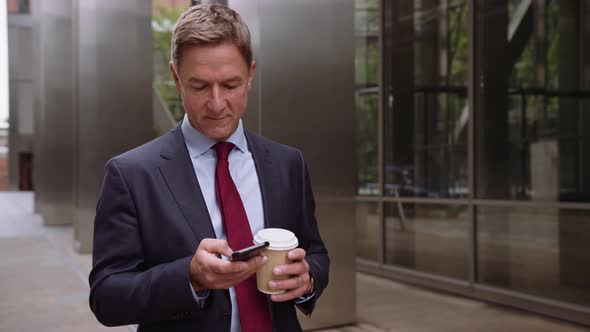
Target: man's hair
(210,24)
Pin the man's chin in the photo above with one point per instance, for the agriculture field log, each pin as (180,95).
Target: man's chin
(219,134)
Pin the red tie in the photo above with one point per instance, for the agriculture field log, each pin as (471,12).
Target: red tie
(252,304)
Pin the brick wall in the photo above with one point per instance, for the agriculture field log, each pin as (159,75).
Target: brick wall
(3,173)
(18,6)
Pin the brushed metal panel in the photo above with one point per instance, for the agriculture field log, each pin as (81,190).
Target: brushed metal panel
(55,135)
(307,102)
(114,75)
(20,84)
(249,12)
(20,42)
(307,89)
(13,137)
(24,102)
(305,56)
(38,113)
(337,306)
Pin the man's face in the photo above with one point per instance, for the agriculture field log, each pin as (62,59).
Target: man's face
(214,82)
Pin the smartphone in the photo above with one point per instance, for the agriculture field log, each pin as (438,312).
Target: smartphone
(247,253)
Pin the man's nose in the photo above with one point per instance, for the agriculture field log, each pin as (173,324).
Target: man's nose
(216,101)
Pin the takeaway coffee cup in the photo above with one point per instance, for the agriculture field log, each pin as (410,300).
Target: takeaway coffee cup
(281,241)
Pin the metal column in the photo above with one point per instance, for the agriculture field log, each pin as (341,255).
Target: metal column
(54,147)
(114,77)
(303,96)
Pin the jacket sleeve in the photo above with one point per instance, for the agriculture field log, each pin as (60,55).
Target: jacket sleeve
(122,290)
(316,253)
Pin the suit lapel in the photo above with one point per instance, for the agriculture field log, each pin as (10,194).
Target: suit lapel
(268,178)
(178,172)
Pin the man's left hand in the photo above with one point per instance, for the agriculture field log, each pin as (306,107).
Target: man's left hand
(299,282)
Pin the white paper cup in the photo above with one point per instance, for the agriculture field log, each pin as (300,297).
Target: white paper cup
(281,241)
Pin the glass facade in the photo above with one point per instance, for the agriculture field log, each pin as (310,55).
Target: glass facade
(532,140)
(432,238)
(368,231)
(426,111)
(538,251)
(367,93)
(474,149)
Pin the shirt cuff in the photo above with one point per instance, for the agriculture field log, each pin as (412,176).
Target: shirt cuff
(199,298)
(303,298)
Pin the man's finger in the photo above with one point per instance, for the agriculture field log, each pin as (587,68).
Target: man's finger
(255,263)
(296,254)
(216,246)
(291,283)
(227,267)
(288,295)
(295,268)
(237,267)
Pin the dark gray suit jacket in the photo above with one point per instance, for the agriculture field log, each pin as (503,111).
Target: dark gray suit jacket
(151,217)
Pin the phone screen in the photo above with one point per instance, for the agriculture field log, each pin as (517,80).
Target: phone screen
(247,253)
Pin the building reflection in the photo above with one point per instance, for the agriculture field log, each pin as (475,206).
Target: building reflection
(474,169)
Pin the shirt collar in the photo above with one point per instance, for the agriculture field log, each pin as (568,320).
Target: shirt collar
(197,143)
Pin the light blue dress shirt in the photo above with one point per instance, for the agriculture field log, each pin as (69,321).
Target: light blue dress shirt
(245,177)
(243,173)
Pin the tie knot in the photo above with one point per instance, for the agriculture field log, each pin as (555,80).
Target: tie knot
(222,149)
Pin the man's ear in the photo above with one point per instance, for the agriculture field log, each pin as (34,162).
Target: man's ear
(175,76)
(251,74)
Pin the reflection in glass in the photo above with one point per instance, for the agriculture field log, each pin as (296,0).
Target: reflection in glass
(367,94)
(430,238)
(426,126)
(532,140)
(542,252)
(368,231)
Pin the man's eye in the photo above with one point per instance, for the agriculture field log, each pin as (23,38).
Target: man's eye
(231,87)
(199,87)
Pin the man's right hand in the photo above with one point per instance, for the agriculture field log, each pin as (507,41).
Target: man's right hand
(208,271)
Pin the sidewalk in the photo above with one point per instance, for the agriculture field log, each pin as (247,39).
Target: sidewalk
(44,287)
(42,282)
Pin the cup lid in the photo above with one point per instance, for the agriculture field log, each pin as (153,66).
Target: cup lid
(279,239)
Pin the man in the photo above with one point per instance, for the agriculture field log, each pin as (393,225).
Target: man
(171,211)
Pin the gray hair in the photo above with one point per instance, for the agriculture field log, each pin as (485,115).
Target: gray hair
(210,24)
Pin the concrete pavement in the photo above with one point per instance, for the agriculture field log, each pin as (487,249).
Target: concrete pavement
(43,286)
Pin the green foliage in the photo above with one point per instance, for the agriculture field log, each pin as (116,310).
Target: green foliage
(553,44)
(367,111)
(163,21)
(458,43)
(367,22)
(366,62)
(524,69)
